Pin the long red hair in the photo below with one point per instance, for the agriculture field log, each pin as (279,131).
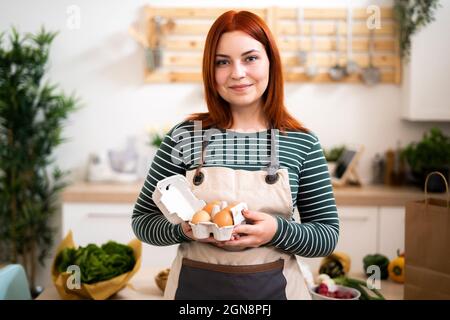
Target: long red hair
(219,114)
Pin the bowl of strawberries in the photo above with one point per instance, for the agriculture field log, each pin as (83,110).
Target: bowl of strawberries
(328,290)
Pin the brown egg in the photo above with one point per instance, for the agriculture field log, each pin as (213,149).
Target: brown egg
(209,206)
(224,218)
(201,216)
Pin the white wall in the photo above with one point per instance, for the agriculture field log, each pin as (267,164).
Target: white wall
(104,66)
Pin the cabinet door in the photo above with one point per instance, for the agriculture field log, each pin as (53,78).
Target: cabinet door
(392,231)
(98,223)
(357,236)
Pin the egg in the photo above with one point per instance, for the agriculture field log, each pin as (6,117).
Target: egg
(215,210)
(224,218)
(209,206)
(200,216)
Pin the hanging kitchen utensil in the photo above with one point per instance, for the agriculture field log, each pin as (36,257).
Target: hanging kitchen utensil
(337,72)
(352,67)
(154,53)
(311,67)
(371,75)
(300,23)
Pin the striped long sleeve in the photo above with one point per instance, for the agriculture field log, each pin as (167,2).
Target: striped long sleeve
(148,222)
(318,232)
(299,152)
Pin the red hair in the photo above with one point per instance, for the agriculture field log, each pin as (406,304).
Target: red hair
(219,114)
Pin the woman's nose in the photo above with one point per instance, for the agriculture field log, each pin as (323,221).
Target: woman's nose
(238,71)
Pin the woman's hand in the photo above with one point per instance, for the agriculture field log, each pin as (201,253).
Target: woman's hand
(187,230)
(259,230)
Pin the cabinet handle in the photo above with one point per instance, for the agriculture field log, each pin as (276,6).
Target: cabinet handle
(109,215)
(362,219)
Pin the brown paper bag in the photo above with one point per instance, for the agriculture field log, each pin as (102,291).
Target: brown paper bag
(427,249)
(97,291)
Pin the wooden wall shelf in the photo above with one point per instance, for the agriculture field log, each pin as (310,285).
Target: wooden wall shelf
(181,33)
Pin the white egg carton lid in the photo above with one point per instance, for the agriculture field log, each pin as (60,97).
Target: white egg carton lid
(175,199)
(202,230)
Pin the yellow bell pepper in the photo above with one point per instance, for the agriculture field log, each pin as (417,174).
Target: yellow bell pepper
(396,268)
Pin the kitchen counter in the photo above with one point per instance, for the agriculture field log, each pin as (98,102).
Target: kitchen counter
(143,287)
(368,195)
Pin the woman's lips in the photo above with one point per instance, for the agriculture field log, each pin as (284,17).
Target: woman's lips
(241,87)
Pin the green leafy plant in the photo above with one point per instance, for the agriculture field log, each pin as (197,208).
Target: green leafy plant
(411,16)
(97,263)
(31,117)
(157,135)
(334,153)
(431,153)
(156,139)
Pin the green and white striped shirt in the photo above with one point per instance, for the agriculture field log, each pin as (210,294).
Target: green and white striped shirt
(299,152)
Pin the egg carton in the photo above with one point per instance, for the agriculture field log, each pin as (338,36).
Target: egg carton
(176,201)
(203,230)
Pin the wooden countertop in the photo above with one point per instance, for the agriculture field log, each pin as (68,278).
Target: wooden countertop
(369,195)
(143,287)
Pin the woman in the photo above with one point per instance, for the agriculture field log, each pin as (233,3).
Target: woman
(222,160)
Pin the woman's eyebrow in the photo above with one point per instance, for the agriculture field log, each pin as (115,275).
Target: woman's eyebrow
(245,53)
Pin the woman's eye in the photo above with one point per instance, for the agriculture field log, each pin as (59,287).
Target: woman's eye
(221,62)
(251,58)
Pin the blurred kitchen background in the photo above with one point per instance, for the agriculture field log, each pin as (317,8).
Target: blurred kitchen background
(96,57)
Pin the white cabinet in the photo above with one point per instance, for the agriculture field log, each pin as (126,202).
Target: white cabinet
(427,76)
(100,222)
(358,233)
(367,230)
(392,231)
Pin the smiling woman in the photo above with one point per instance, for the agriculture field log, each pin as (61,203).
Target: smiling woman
(246,148)
(242,75)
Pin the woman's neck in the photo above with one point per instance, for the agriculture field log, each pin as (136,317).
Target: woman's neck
(248,118)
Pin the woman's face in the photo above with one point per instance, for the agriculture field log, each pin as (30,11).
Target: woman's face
(242,69)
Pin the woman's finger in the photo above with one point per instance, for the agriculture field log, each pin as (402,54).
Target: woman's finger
(247,241)
(244,228)
(253,215)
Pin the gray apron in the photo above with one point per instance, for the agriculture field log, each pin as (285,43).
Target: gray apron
(202,271)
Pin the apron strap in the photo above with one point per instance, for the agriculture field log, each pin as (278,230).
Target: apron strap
(274,165)
(199,176)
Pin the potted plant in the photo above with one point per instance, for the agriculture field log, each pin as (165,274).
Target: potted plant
(332,155)
(31,117)
(156,135)
(430,154)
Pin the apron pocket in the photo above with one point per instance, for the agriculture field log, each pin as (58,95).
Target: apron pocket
(205,281)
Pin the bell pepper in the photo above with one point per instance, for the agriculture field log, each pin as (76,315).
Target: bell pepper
(396,268)
(378,260)
(335,265)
